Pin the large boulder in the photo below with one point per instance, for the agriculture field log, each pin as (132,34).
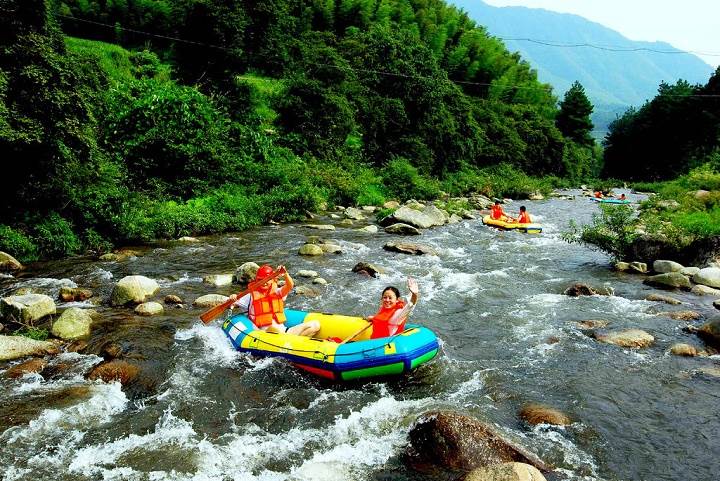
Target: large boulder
(409,248)
(669,280)
(26,308)
(634,338)
(15,347)
(133,290)
(460,442)
(369,269)
(662,266)
(73,323)
(402,229)
(701,290)
(354,213)
(436,215)
(709,276)
(710,332)
(408,215)
(310,250)
(506,472)
(9,263)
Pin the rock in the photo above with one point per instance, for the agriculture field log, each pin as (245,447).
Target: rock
(541,414)
(330,248)
(370,269)
(701,290)
(436,215)
(149,309)
(466,214)
(408,215)
(310,250)
(307,291)
(663,267)
(634,338)
(454,219)
(710,332)
(307,273)
(506,472)
(402,229)
(73,323)
(35,365)
(172,299)
(391,204)
(579,289)
(622,266)
(334,216)
(209,300)
(669,280)
(716,303)
(354,214)
(27,308)
(320,226)
(77,345)
(218,280)
(689,271)
(8,263)
(682,315)
(640,267)
(370,229)
(408,248)
(346,223)
(245,273)
(661,298)
(115,370)
(668,204)
(109,257)
(133,290)
(701,195)
(75,294)
(713,371)
(686,350)
(709,276)
(459,442)
(15,347)
(369,208)
(188,239)
(320,280)
(536,196)
(592,324)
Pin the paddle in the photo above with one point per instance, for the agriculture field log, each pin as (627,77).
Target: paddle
(357,333)
(214,312)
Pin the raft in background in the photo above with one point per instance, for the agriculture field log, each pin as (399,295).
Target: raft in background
(362,358)
(501,224)
(610,201)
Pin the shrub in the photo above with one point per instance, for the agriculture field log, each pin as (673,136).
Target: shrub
(612,231)
(17,244)
(36,333)
(55,237)
(403,181)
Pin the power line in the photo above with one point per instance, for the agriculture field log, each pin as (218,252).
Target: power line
(609,48)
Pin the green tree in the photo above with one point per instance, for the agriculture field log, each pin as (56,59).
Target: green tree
(573,120)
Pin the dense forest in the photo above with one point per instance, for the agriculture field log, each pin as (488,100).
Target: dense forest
(127,121)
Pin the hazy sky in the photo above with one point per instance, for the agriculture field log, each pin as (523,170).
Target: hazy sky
(692,25)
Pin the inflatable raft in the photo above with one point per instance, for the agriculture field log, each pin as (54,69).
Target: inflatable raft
(610,201)
(361,358)
(501,224)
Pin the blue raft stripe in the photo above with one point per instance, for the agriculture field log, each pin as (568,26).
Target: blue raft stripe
(348,357)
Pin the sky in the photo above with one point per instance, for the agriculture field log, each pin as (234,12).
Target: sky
(691,25)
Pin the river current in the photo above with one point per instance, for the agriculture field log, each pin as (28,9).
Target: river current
(508,337)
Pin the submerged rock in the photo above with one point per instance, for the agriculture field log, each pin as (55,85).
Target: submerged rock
(35,365)
(409,248)
(633,338)
(506,472)
(682,349)
(661,298)
(541,414)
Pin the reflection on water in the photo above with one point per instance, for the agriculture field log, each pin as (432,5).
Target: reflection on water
(206,412)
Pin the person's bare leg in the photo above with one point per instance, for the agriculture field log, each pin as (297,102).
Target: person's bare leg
(308,329)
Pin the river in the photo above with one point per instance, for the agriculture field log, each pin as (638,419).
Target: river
(508,337)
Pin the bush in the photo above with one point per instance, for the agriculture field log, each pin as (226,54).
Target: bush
(402,181)
(612,231)
(33,333)
(17,244)
(55,237)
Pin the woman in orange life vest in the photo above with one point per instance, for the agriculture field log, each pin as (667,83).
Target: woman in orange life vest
(266,307)
(390,318)
(523,217)
(598,194)
(497,212)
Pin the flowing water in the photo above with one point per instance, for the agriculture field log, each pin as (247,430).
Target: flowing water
(508,337)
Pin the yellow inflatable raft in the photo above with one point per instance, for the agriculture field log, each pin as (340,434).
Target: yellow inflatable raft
(502,224)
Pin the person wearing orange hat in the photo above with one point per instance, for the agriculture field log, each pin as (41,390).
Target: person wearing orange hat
(266,305)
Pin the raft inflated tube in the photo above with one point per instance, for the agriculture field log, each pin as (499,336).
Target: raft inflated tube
(611,201)
(362,358)
(501,224)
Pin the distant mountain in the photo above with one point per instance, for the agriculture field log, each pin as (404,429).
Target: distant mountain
(613,80)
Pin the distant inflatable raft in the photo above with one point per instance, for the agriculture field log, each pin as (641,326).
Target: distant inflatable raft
(362,358)
(610,201)
(501,224)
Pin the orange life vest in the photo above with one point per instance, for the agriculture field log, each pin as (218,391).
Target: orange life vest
(598,194)
(524,218)
(381,321)
(496,212)
(266,308)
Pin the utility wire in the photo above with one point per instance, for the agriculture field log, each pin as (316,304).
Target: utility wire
(609,48)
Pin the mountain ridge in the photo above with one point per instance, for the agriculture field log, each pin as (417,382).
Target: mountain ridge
(614,80)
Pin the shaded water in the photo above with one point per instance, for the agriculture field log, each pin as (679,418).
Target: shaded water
(205,412)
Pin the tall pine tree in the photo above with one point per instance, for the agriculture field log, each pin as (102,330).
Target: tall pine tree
(573,120)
